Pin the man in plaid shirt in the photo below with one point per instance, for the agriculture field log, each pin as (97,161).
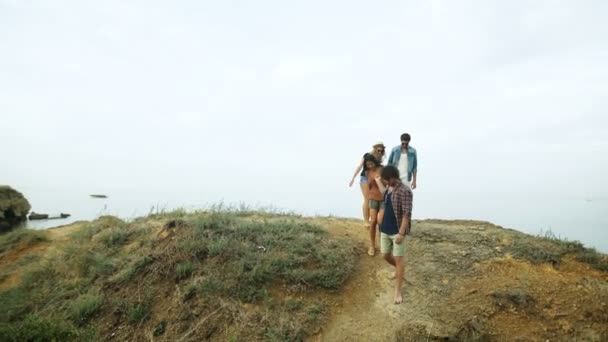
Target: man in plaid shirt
(396,224)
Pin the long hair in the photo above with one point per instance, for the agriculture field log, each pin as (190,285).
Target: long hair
(371,158)
(380,158)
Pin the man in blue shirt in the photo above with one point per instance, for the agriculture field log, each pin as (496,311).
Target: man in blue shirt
(405,159)
(398,200)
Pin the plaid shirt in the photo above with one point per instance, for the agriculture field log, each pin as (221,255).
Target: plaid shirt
(402,199)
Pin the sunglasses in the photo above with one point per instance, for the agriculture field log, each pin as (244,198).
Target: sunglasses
(405,142)
(380,151)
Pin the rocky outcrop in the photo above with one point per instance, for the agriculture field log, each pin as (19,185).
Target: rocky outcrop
(13,207)
(38,216)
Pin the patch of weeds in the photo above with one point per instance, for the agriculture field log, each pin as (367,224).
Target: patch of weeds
(28,259)
(21,236)
(160,329)
(35,328)
(284,329)
(39,275)
(184,269)
(190,291)
(88,263)
(158,213)
(109,221)
(537,253)
(210,286)
(249,293)
(86,232)
(293,304)
(101,265)
(594,259)
(15,304)
(474,330)
(245,210)
(316,313)
(219,246)
(211,222)
(85,306)
(175,224)
(254,254)
(138,313)
(513,298)
(549,248)
(132,269)
(196,247)
(114,237)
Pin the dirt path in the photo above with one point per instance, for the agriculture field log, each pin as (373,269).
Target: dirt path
(367,312)
(460,285)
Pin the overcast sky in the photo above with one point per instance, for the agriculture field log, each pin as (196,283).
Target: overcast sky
(276,101)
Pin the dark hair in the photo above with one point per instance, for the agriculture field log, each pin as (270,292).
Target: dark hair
(370,157)
(405,137)
(389,172)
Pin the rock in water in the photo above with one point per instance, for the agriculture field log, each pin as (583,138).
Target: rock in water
(37,216)
(13,207)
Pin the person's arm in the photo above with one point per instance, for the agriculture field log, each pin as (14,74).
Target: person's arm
(414,180)
(378,181)
(381,186)
(390,158)
(405,206)
(414,170)
(357,171)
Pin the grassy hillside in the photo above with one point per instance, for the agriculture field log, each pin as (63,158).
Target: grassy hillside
(238,275)
(215,275)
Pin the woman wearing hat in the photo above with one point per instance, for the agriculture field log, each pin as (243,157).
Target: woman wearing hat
(378,152)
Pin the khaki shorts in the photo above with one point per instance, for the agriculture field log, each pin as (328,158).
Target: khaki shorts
(388,245)
(376,205)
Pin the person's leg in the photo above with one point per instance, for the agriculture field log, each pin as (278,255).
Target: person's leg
(398,250)
(389,258)
(398,278)
(365,207)
(373,213)
(386,248)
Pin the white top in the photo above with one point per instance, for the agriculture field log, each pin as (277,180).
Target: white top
(403,166)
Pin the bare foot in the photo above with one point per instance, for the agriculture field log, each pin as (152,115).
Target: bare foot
(393,275)
(398,298)
(371,251)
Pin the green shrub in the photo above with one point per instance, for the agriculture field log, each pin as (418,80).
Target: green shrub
(85,306)
(134,268)
(35,328)
(114,237)
(548,248)
(293,304)
(184,270)
(15,304)
(594,259)
(138,313)
(219,247)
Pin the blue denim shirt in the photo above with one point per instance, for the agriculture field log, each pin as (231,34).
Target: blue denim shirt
(412,160)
